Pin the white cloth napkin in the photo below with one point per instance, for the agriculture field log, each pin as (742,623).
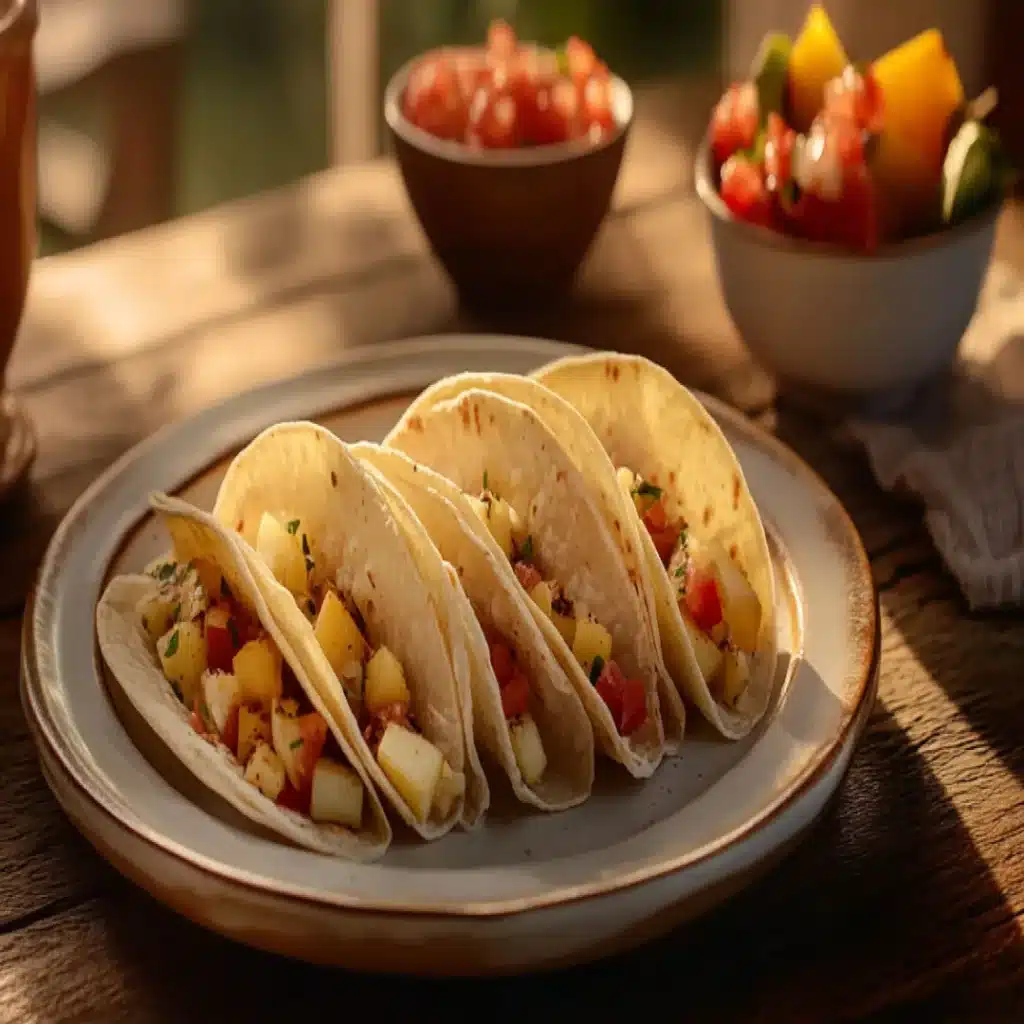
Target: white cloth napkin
(960,448)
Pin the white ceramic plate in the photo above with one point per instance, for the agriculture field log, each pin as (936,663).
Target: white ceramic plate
(527,890)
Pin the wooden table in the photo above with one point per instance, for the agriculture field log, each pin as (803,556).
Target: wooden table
(907,897)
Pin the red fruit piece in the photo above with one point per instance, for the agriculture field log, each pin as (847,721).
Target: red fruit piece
(734,121)
(702,599)
(434,100)
(743,191)
(494,119)
(515,695)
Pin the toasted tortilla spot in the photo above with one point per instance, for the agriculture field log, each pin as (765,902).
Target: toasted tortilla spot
(736,487)
(416,423)
(560,476)
(671,477)
(240,526)
(464,412)
(733,550)
(476,419)
(334,479)
(369,576)
(615,371)
(708,513)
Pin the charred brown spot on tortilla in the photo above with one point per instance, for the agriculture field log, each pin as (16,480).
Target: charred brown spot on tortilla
(733,550)
(735,491)
(416,423)
(618,526)
(476,419)
(369,606)
(672,477)
(369,576)
(615,372)
(560,476)
(708,513)
(240,526)
(334,479)
(490,419)
(464,413)
(705,426)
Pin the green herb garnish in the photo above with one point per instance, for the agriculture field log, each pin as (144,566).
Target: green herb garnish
(526,551)
(596,669)
(486,487)
(293,527)
(646,490)
(172,645)
(166,571)
(295,744)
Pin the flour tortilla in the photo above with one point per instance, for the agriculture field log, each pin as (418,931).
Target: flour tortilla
(134,664)
(646,420)
(302,471)
(583,447)
(485,594)
(481,431)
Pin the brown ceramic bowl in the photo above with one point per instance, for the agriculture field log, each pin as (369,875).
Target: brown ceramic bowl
(510,226)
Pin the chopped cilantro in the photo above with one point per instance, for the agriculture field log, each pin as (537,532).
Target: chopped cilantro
(236,640)
(293,527)
(486,487)
(172,645)
(596,669)
(175,615)
(295,744)
(526,549)
(225,590)
(680,570)
(166,571)
(647,490)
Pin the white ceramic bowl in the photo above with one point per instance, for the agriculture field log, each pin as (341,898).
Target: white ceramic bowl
(840,322)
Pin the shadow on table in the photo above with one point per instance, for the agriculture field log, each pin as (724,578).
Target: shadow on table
(888,903)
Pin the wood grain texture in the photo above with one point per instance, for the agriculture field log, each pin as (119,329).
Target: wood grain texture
(907,901)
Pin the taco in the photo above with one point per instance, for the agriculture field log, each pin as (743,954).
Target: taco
(196,650)
(527,714)
(337,571)
(706,547)
(526,500)
(585,449)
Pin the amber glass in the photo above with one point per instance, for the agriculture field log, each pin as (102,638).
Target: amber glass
(18,20)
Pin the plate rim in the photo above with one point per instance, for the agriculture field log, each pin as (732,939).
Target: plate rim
(853,717)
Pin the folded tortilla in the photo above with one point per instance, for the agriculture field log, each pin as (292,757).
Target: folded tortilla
(132,656)
(650,424)
(483,442)
(302,475)
(555,728)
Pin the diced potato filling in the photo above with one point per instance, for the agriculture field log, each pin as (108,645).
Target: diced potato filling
(265,771)
(592,641)
(337,794)
(500,518)
(280,546)
(385,681)
(182,653)
(257,666)
(413,765)
(528,749)
(253,729)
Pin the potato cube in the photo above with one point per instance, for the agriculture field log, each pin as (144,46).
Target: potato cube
(541,597)
(279,545)
(182,653)
(258,669)
(338,635)
(528,748)
(705,650)
(566,625)
(209,576)
(265,771)
(740,606)
(449,788)
(222,695)
(735,677)
(158,612)
(337,794)
(413,765)
(385,681)
(253,729)
(591,641)
(298,739)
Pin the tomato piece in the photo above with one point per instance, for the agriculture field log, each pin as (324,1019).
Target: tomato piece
(515,695)
(743,191)
(656,518)
(702,598)
(220,647)
(778,153)
(634,707)
(502,661)
(734,121)
(855,97)
(434,100)
(580,59)
(230,735)
(528,575)
(312,729)
(501,40)
(549,114)
(291,799)
(609,688)
(494,119)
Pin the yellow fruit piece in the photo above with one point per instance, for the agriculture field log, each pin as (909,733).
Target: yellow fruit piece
(280,546)
(541,597)
(257,667)
(253,729)
(413,766)
(591,641)
(921,90)
(337,794)
(338,634)
(385,681)
(816,58)
(528,748)
(182,653)
(266,772)
(566,625)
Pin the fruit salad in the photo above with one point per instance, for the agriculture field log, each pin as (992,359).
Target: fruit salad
(819,147)
(510,94)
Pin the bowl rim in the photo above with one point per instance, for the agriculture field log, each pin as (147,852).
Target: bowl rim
(526,156)
(976,224)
